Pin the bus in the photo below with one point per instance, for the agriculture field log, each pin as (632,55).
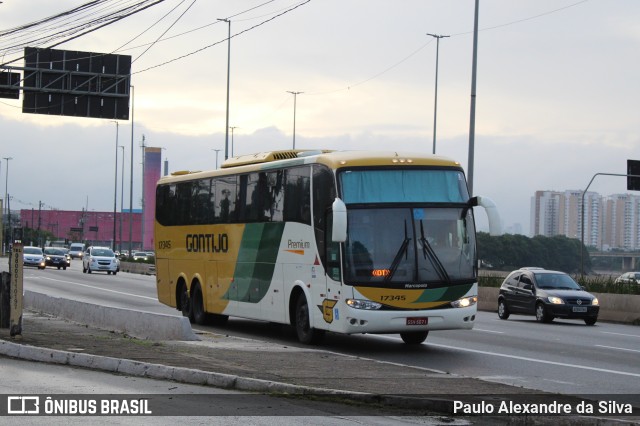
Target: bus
(326,241)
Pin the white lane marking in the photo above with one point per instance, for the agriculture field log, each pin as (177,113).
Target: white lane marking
(619,349)
(488,331)
(99,288)
(621,334)
(523,358)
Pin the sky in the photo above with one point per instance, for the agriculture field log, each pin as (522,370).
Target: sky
(556,97)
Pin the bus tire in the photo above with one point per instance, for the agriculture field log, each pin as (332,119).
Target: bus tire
(414,337)
(185,303)
(305,333)
(197,305)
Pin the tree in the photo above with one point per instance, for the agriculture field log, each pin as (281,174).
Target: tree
(509,252)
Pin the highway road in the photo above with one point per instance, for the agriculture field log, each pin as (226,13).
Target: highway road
(563,357)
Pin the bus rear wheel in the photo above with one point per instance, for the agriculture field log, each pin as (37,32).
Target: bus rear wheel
(306,334)
(185,303)
(197,305)
(414,337)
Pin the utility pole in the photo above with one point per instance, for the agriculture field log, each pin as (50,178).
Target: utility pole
(295,96)
(472,121)
(435,106)
(121,199)
(131,182)
(115,192)
(226,137)
(143,146)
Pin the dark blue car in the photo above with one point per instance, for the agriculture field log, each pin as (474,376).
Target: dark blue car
(547,295)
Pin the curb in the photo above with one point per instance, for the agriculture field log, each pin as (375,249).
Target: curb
(163,372)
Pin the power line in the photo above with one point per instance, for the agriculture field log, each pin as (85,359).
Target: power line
(222,41)
(59,34)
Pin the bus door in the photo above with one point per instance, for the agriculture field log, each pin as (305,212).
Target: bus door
(332,278)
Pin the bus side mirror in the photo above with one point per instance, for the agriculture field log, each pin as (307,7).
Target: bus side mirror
(339,228)
(495,223)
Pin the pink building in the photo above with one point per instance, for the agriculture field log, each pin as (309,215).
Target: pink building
(90,227)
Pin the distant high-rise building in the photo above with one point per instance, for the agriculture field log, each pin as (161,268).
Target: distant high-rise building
(609,222)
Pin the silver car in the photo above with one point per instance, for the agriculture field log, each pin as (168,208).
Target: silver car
(33,256)
(100,259)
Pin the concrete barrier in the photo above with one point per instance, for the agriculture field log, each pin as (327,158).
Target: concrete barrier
(138,268)
(142,325)
(613,307)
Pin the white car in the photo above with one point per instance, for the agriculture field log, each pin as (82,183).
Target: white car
(100,259)
(33,256)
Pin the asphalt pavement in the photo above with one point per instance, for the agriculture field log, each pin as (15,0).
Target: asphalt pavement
(251,365)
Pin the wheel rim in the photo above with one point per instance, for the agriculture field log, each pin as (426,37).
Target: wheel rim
(540,313)
(501,309)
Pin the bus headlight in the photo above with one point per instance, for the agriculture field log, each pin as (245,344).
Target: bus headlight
(363,304)
(465,302)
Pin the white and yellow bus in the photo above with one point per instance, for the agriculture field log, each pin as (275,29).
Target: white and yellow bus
(341,241)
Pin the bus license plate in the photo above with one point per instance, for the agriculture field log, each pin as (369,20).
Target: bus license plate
(579,309)
(417,321)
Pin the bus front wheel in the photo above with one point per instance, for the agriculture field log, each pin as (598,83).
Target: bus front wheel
(306,334)
(414,337)
(197,305)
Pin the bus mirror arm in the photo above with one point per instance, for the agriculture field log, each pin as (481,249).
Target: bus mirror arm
(495,223)
(339,228)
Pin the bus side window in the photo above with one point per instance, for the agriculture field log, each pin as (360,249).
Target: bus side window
(202,203)
(225,190)
(323,195)
(183,195)
(166,204)
(275,200)
(297,197)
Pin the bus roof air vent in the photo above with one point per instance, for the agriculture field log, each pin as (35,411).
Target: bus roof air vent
(266,157)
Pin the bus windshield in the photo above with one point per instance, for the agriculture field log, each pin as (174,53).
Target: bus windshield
(425,245)
(430,241)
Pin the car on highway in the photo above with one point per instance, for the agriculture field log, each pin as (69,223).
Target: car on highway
(140,255)
(67,256)
(76,250)
(628,278)
(100,259)
(547,295)
(55,256)
(33,256)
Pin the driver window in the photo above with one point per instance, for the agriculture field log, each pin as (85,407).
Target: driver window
(525,283)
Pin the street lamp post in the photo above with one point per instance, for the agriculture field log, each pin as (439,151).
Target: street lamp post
(295,96)
(226,137)
(232,127)
(115,192)
(435,106)
(131,180)
(217,151)
(121,198)
(582,215)
(6,201)
(472,113)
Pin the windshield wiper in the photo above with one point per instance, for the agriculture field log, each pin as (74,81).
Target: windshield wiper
(430,254)
(398,258)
